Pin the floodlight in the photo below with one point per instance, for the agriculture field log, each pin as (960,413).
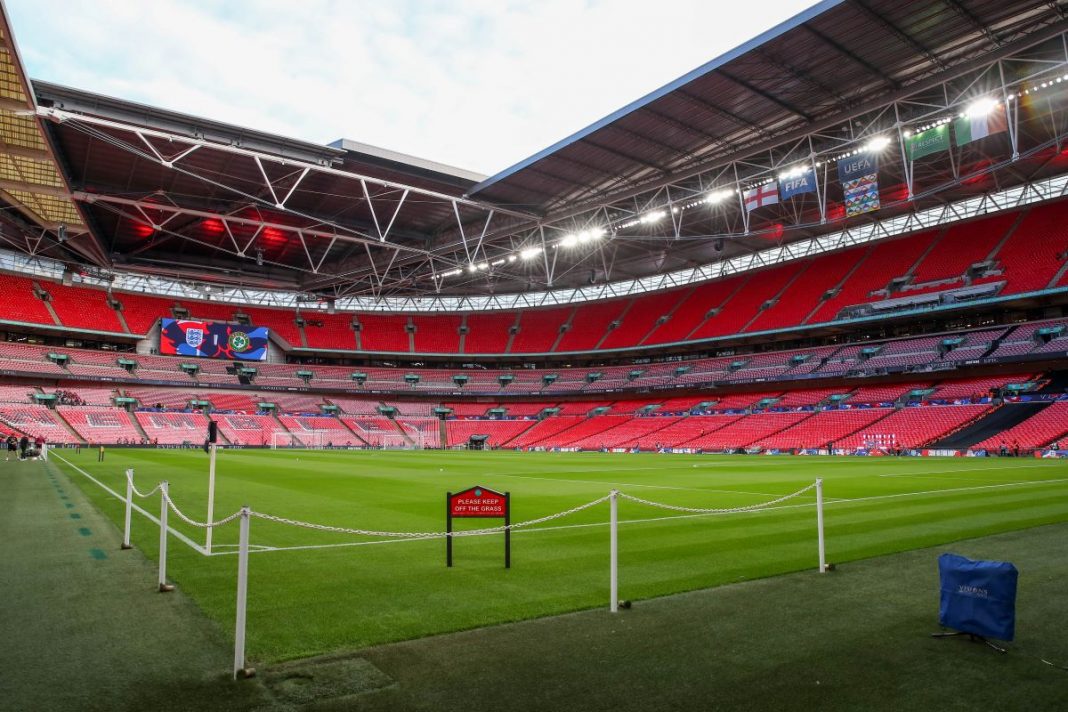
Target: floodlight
(472,268)
(718,196)
(980,107)
(569,240)
(878,143)
(652,217)
(530,253)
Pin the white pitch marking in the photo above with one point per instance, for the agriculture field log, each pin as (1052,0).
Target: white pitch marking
(178,535)
(941,472)
(563,480)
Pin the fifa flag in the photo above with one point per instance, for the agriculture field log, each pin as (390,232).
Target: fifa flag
(860,183)
(973,128)
(927,142)
(767,194)
(797,184)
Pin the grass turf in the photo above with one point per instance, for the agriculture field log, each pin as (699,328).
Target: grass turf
(306,601)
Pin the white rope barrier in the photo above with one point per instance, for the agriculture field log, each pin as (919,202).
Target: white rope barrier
(724,510)
(201,525)
(427,535)
(245,514)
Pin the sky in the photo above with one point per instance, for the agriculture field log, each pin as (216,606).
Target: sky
(477,84)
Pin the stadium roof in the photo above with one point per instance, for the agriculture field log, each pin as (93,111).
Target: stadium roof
(161,193)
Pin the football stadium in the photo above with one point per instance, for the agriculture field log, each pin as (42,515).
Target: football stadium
(750,395)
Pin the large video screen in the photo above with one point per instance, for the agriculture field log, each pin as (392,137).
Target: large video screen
(213,339)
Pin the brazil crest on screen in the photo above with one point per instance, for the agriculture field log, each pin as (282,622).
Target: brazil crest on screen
(209,339)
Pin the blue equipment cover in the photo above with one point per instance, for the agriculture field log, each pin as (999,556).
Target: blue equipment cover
(978,597)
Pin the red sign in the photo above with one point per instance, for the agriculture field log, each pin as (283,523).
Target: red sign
(478,502)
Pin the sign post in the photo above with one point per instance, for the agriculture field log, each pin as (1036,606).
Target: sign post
(478,502)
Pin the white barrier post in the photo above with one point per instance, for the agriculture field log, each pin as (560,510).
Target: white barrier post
(211,497)
(164,489)
(242,599)
(819,524)
(614,551)
(129,510)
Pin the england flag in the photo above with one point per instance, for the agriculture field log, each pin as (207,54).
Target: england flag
(767,194)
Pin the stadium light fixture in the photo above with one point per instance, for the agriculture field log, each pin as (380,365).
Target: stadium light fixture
(719,196)
(512,258)
(652,217)
(569,240)
(530,253)
(877,144)
(472,268)
(980,107)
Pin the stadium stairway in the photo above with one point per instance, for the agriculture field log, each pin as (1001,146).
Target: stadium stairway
(279,426)
(354,433)
(402,431)
(999,420)
(518,435)
(70,428)
(140,429)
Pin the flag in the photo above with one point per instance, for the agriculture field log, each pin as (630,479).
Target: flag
(860,183)
(798,184)
(973,128)
(927,142)
(767,194)
(861,195)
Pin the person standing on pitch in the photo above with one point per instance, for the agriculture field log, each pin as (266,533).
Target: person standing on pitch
(24,444)
(12,448)
(100,453)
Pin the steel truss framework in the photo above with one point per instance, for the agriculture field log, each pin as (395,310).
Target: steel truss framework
(1009,199)
(388,244)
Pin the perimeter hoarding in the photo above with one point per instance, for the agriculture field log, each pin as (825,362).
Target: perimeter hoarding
(212,339)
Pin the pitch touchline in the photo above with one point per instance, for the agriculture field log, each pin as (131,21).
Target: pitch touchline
(942,472)
(669,517)
(179,535)
(631,484)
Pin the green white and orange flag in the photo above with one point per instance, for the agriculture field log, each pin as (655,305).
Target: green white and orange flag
(973,128)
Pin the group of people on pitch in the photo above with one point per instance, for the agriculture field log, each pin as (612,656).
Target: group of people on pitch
(19,448)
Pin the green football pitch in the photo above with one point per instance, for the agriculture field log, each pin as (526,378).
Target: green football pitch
(313,592)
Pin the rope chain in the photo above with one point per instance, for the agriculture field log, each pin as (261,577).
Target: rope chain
(728,510)
(151,492)
(469,532)
(430,535)
(202,525)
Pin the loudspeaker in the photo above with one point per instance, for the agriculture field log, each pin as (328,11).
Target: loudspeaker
(213,432)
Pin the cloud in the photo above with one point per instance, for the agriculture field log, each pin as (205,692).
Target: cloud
(476,84)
